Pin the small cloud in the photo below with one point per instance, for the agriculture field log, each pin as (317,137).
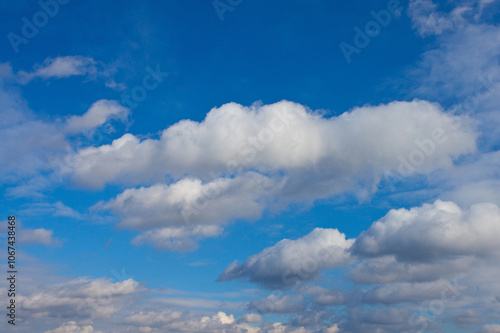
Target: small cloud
(60,67)
(98,114)
(38,236)
(67,66)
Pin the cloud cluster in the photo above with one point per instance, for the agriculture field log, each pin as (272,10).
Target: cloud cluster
(283,137)
(240,161)
(409,256)
(80,298)
(86,305)
(404,245)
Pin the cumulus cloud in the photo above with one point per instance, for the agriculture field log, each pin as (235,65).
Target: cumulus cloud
(409,259)
(241,161)
(176,215)
(433,231)
(362,144)
(152,318)
(73,327)
(421,244)
(174,321)
(190,201)
(290,261)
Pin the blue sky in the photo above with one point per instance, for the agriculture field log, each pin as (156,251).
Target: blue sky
(227,166)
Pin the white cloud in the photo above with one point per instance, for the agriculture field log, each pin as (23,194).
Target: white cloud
(334,153)
(68,66)
(175,216)
(173,321)
(177,239)
(34,147)
(463,68)
(241,161)
(494,328)
(291,261)
(428,21)
(38,236)
(98,114)
(190,201)
(408,260)
(432,232)
(32,236)
(472,182)
(61,67)
(251,318)
(80,298)
(72,327)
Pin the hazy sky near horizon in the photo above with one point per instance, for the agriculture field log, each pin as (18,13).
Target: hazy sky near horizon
(251,166)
